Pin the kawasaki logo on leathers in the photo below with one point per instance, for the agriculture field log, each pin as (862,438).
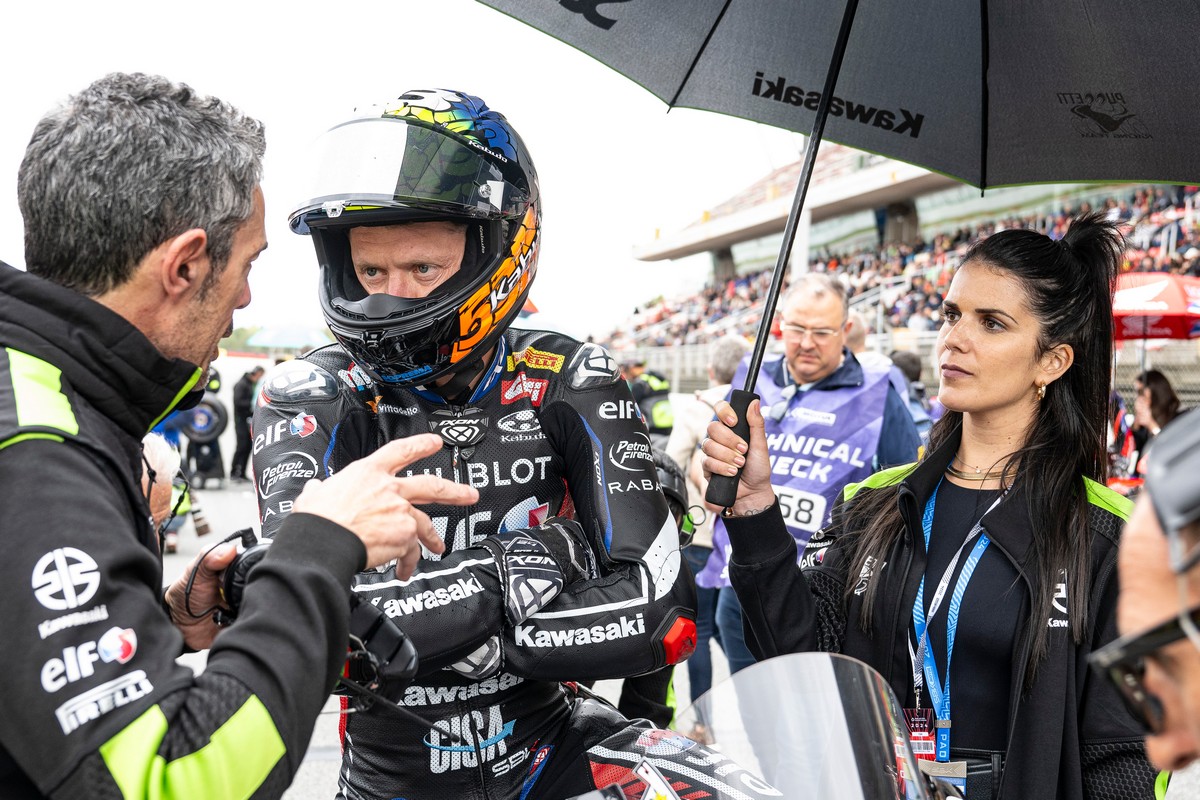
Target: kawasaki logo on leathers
(621,629)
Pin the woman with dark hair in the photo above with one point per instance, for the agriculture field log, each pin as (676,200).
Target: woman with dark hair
(995,553)
(1154,405)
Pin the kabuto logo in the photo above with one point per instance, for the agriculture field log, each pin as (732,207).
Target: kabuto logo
(631,456)
(589,10)
(481,740)
(524,421)
(900,121)
(301,467)
(1103,115)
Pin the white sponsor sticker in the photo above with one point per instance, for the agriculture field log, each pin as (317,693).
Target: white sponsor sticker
(802,511)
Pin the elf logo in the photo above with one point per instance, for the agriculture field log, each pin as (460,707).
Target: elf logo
(78,662)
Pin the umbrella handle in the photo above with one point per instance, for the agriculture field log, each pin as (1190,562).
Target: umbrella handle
(722,489)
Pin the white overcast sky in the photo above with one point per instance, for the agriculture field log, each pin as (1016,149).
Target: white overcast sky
(614,164)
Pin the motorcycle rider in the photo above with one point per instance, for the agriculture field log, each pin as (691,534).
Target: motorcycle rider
(426,221)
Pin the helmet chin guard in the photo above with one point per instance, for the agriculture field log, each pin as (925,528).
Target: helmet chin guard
(430,155)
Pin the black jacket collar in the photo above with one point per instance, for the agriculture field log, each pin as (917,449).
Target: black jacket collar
(105,359)
(1009,524)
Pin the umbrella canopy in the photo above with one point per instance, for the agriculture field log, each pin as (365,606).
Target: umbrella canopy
(991,94)
(1156,305)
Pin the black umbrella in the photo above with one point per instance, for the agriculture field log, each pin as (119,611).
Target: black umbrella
(991,94)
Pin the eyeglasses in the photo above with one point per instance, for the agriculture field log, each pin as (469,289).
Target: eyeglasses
(1124,661)
(819,335)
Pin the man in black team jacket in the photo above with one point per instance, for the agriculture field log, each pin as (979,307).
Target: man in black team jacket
(426,225)
(142,217)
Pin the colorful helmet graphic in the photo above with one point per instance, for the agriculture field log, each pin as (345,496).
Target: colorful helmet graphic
(429,155)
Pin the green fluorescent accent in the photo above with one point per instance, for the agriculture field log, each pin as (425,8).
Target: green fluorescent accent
(131,755)
(1160,785)
(37,387)
(187,387)
(25,436)
(885,477)
(235,762)
(1104,497)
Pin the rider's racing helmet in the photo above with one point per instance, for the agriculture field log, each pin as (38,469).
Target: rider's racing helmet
(429,155)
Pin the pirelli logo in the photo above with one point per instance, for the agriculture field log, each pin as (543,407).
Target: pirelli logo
(536,359)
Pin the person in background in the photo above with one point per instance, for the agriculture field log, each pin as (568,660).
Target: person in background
(909,366)
(692,415)
(243,415)
(856,340)
(143,217)
(831,421)
(1154,405)
(1156,663)
(905,578)
(652,393)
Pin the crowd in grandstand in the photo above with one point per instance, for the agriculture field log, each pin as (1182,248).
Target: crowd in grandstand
(1163,233)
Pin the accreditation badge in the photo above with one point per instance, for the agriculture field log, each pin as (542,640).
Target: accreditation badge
(922,736)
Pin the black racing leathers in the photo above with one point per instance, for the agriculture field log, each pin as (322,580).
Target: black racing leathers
(555,445)
(94,703)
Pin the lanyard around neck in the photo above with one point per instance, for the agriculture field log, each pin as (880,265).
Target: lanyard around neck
(923,664)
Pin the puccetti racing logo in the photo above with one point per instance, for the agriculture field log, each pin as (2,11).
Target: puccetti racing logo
(536,359)
(73,620)
(1103,115)
(631,456)
(481,739)
(496,299)
(295,466)
(97,702)
(900,121)
(461,589)
(523,386)
(623,628)
(520,426)
(439,695)
(65,578)
(78,661)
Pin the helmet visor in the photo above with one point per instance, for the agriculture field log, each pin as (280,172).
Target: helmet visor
(392,163)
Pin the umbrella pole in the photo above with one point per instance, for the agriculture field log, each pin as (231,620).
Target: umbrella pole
(722,490)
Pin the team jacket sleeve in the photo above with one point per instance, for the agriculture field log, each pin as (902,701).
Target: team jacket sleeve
(1111,750)
(786,608)
(95,704)
(639,614)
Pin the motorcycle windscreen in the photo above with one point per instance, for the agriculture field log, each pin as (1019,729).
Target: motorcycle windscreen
(812,725)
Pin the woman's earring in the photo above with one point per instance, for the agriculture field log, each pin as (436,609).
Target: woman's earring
(1041,392)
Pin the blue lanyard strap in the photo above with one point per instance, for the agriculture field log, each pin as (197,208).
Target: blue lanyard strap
(939,693)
